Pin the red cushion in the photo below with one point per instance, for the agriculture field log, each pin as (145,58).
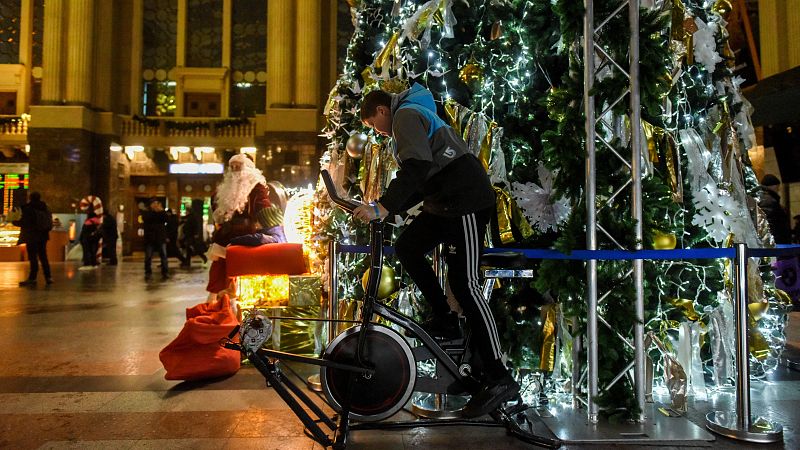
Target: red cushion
(268,259)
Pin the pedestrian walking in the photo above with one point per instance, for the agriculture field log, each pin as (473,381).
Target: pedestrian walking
(35,225)
(155,238)
(173,251)
(192,241)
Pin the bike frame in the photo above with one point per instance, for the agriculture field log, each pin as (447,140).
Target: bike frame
(266,360)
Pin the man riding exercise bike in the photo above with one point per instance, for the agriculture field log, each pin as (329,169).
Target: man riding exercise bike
(458,201)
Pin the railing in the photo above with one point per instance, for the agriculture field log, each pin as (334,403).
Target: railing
(14,125)
(187,127)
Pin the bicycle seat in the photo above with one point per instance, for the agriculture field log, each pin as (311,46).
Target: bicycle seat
(504,260)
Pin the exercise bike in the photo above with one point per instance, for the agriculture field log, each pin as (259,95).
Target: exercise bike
(369,372)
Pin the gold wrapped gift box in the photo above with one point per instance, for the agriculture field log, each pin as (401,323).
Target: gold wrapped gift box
(286,296)
(270,291)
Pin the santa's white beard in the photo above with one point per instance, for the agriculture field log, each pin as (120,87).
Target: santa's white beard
(233,192)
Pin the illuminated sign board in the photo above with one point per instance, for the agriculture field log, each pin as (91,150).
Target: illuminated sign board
(196,168)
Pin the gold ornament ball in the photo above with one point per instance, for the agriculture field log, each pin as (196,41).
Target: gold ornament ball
(356,144)
(664,241)
(723,8)
(472,72)
(387,285)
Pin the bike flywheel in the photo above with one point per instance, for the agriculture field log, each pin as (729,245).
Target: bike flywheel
(379,395)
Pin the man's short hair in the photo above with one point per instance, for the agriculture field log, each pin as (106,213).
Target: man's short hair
(369,106)
(770,180)
(35,196)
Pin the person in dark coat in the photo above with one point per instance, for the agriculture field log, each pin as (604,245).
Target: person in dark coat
(90,238)
(192,242)
(155,238)
(34,234)
(770,203)
(108,229)
(173,221)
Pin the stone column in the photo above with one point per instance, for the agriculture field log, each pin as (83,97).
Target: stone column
(102,42)
(770,18)
(80,28)
(227,12)
(280,47)
(137,19)
(307,58)
(793,34)
(51,52)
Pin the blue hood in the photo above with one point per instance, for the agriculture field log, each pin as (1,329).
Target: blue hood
(416,95)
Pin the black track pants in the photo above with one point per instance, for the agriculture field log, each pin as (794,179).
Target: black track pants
(464,236)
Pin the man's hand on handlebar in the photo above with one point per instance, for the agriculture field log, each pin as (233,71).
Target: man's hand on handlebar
(370,211)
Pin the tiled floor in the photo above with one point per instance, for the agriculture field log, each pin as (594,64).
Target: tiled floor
(79,368)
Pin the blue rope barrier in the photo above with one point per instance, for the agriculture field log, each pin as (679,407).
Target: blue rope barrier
(620,255)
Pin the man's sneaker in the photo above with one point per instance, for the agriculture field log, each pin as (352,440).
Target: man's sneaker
(49,281)
(491,397)
(27,283)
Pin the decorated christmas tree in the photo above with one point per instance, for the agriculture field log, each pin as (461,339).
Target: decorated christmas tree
(508,75)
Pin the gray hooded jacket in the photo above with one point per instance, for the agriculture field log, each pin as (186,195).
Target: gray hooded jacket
(434,162)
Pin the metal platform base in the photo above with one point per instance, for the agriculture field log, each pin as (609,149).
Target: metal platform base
(572,426)
(313,383)
(437,406)
(762,431)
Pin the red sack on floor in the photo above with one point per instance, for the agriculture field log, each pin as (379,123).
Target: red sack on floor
(195,353)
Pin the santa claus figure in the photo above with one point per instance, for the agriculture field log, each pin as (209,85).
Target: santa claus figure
(243,215)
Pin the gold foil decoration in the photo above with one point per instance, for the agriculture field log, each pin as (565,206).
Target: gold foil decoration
(369,78)
(508,216)
(659,143)
(689,28)
(781,296)
(296,336)
(686,306)
(387,51)
(757,344)
(674,375)
(373,187)
(263,291)
(305,290)
(758,309)
(497,30)
(485,153)
(678,14)
(650,136)
(548,352)
(469,125)
(451,109)
(394,85)
(674,171)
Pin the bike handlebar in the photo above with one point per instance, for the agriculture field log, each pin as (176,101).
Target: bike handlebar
(344,203)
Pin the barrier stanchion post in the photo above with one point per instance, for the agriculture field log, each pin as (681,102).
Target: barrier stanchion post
(739,424)
(313,381)
(333,287)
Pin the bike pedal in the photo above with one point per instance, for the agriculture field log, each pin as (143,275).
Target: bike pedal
(516,409)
